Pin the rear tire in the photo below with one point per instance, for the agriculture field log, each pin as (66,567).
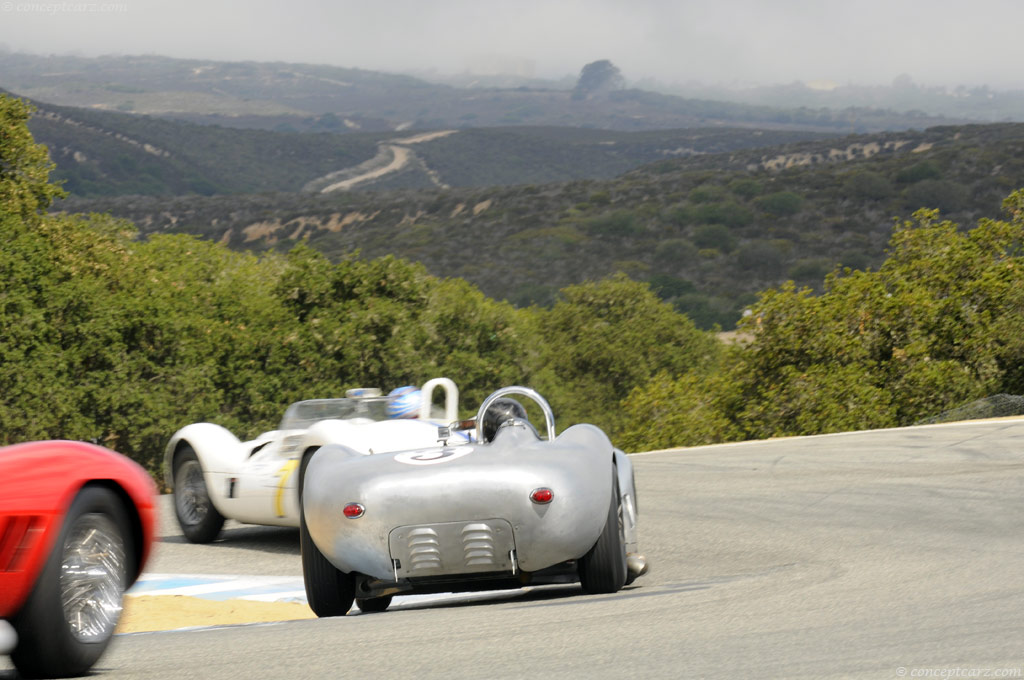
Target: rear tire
(68,620)
(603,568)
(199,520)
(329,591)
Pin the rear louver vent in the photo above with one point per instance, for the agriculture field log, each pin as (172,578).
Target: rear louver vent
(478,544)
(17,533)
(424,549)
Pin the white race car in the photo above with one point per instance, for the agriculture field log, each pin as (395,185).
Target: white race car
(215,476)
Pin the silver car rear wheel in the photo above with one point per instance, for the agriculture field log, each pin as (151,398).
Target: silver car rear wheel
(603,568)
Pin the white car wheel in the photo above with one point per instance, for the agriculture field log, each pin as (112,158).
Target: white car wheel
(197,517)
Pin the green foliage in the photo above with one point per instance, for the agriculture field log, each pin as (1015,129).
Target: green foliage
(938,325)
(763,257)
(706,193)
(810,270)
(917,172)
(604,339)
(948,197)
(536,238)
(675,251)
(388,322)
(620,223)
(716,236)
(707,311)
(24,165)
(666,286)
(107,338)
(780,203)
(865,184)
(746,188)
(668,412)
(727,213)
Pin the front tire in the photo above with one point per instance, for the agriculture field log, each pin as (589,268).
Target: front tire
(198,518)
(329,591)
(70,616)
(603,568)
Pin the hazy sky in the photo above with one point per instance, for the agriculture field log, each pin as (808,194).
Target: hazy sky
(936,42)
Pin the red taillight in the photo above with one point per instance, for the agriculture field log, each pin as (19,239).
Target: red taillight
(542,495)
(354,510)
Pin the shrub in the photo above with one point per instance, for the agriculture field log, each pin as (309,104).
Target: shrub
(781,203)
(867,185)
(707,193)
(675,251)
(946,196)
(746,188)
(714,236)
(727,213)
(620,223)
(918,172)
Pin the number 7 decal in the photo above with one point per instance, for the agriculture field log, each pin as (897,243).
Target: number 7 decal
(284,474)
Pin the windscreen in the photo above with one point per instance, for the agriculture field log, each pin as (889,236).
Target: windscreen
(304,414)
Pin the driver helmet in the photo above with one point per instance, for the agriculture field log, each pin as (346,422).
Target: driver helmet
(499,413)
(404,402)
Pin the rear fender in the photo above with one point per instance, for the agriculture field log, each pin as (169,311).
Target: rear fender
(627,494)
(331,432)
(218,450)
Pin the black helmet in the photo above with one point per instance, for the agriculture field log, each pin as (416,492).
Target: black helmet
(500,412)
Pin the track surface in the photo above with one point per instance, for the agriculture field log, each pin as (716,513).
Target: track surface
(877,555)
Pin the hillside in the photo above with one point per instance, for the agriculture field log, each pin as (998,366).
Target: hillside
(109,154)
(104,153)
(308,97)
(707,231)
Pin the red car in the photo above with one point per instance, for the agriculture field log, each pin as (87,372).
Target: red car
(76,528)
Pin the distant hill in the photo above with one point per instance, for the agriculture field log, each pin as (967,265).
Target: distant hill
(707,231)
(105,153)
(979,103)
(308,97)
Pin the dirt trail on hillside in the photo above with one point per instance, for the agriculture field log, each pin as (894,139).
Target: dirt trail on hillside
(400,157)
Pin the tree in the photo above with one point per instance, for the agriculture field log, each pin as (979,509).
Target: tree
(24,165)
(598,77)
(940,324)
(603,339)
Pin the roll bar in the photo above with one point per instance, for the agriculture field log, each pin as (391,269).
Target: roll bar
(451,399)
(549,416)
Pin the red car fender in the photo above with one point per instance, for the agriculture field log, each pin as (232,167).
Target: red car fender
(38,482)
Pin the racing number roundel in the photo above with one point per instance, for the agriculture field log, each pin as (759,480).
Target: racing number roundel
(433,456)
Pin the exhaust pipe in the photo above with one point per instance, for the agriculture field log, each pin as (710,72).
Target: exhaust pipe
(636,564)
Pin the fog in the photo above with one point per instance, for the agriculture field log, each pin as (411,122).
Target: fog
(728,42)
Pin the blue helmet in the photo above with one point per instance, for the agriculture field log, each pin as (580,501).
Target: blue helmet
(404,402)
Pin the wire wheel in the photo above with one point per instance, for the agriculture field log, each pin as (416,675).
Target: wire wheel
(191,499)
(93,575)
(198,518)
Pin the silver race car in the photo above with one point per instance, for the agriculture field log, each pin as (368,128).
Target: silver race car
(506,509)
(215,476)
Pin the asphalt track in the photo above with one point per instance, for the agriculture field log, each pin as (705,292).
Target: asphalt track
(884,554)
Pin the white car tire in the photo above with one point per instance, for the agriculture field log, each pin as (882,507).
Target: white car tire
(199,520)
